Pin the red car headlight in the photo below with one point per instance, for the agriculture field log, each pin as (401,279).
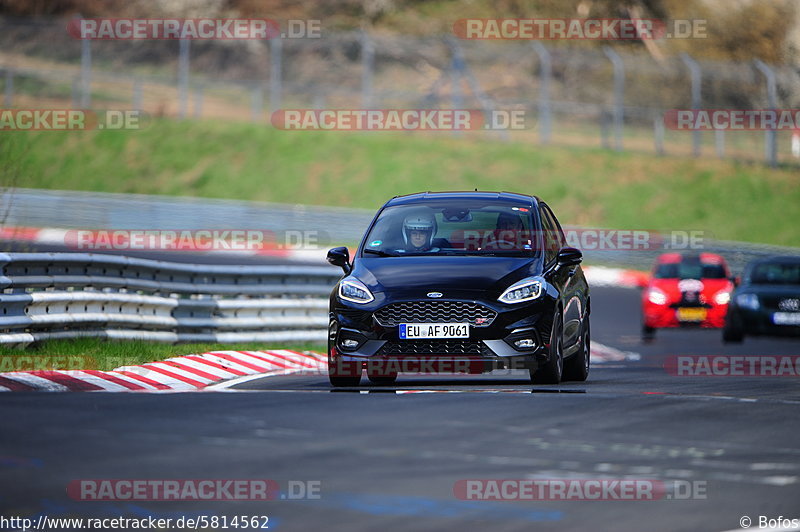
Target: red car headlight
(723,297)
(656,296)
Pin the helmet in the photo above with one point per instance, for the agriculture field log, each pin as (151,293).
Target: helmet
(424,222)
(506,220)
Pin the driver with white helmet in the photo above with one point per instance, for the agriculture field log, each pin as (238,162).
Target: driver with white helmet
(418,232)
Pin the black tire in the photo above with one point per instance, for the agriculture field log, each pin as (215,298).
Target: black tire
(732,332)
(382,380)
(576,368)
(340,374)
(551,372)
(343,374)
(648,333)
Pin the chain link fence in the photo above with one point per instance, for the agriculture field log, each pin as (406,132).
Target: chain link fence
(614,97)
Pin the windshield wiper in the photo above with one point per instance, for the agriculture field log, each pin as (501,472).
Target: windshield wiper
(379,253)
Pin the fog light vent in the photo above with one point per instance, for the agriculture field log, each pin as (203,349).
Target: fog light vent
(525,343)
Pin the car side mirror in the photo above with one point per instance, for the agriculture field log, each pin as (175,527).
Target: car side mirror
(340,257)
(736,281)
(569,257)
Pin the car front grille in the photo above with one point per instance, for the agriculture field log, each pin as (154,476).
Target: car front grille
(434,347)
(435,312)
(781,303)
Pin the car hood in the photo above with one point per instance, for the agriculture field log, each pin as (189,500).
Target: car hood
(784,290)
(452,276)
(673,286)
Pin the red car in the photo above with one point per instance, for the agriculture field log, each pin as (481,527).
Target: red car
(686,290)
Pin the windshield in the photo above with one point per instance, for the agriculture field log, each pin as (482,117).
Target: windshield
(452,228)
(690,270)
(776,273)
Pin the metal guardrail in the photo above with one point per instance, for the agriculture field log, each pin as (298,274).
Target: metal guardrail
(64,209)
(22,207)
(67,295)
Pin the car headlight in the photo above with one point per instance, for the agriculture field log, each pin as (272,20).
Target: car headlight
(524,290)
(656,296)
(723,297)
(354,290)
(748,301)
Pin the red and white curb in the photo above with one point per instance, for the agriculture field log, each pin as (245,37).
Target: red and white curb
(185,373)
(601,354)
(195,372)
(615,277)
(64,237)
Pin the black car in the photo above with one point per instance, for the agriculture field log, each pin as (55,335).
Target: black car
(467,282)
(767,301)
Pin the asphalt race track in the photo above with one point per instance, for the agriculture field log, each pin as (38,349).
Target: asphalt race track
(389,460)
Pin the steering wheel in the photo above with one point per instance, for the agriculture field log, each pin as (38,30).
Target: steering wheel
(500,244)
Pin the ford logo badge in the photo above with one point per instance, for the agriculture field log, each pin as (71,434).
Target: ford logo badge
(434,294)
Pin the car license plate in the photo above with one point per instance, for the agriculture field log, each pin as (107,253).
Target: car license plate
(691,314)
(786,318)
(433,330)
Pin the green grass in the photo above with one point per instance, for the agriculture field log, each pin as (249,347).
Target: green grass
(586,186)
(92,353)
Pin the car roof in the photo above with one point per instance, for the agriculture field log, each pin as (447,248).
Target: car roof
(785,259)
(706,258)
(501,197)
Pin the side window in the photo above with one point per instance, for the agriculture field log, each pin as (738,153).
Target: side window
(551,246)
(562,240)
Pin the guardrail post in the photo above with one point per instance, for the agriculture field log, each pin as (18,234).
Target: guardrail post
(86,73)
(719,141)
(8,96)
(275,73)
(545,75)
(619,94)
(256,102)
(137,95)
(770,145)
(658,134)
(605,126)
(367,66)
(199,93)
(465,73)
(318,101)
(696,73)
(457,99)
(183,78)
(75,92)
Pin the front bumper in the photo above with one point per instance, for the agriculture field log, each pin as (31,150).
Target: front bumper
(666,316)
(760,323)
(488,348)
